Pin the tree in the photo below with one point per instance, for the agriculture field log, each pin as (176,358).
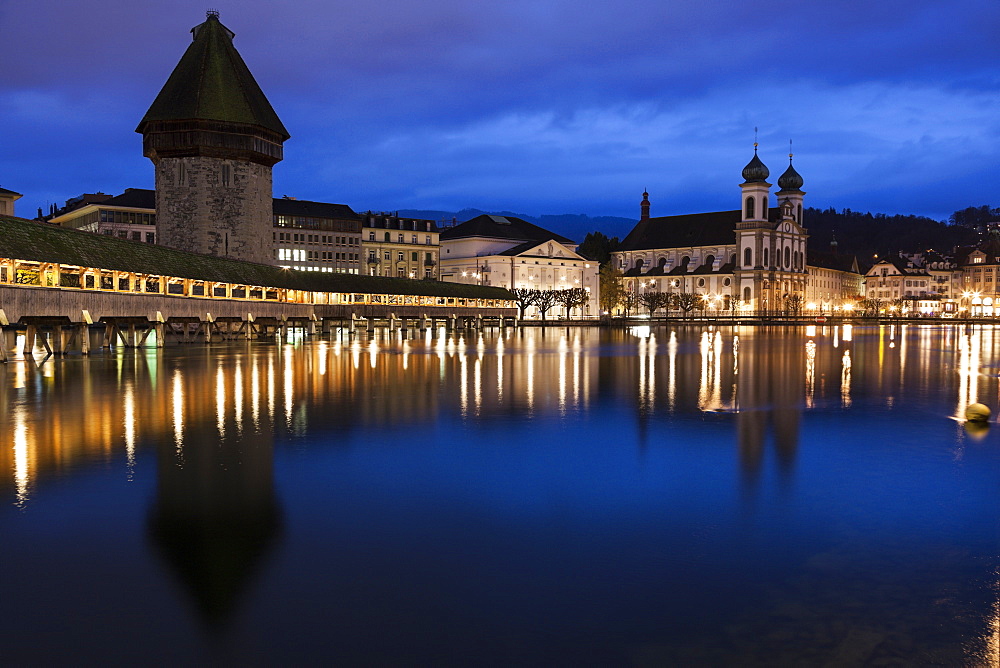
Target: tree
(872,305)
(793,304)
(545,301)
(686,301)
(571,298)
(524,297)
(598,246)
(654,300)
(612,287)
(628,302)
(975,217)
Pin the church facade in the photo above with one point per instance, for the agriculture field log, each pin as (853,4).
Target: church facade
(751,259)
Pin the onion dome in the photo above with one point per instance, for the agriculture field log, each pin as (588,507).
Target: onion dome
(790,180)
(755,170)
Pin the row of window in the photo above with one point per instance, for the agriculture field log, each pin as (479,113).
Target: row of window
(400,256)
(400,238)
(300,255)
(792,259)
(328,224)
(324,239)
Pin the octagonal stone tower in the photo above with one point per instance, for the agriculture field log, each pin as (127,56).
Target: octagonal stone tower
(213,138)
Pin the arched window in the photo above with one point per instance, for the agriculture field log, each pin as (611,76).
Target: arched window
(788,257)
(638,264)
(798,219)
(709,260)
(387,237)
(685,261)
(746,294)
(766,263)
(747,258)
(750,207)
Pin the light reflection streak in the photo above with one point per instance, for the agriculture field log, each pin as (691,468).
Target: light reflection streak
(289,385)
(372,352)
(848,333)
(478,384)
(255,393)
(968,372)
(128,397)
(238,395)
(356,354)
(810,373)
(845,379)
(270,387)
(563,352)
(500,370)
(463,382)
(530,349)
(22,473)
(220,401)
(672,370)
(177,410)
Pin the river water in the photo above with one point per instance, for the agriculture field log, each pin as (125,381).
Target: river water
(652,496)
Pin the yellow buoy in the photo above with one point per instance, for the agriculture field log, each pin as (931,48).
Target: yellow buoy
(977,413)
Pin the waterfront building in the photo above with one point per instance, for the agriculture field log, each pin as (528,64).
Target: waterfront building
(512,253)
(316,236)
(834,282)
(213,138)
(7,199)
(399,246)
(310,236)
(980,286)
(897,278)
(754,258)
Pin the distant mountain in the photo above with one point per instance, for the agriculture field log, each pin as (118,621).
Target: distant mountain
(571,225)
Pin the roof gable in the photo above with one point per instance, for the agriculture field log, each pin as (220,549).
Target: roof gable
(501,227)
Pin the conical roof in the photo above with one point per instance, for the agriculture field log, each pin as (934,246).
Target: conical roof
(211,82)
(755,170)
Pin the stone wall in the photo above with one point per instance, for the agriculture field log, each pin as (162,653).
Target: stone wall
(215,206)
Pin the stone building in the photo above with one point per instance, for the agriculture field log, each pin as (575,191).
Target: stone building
(512,253)
(213,138)
(834,282)
(399,246)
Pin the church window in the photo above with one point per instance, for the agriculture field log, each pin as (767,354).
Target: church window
(787,256)
(746,294)
(766,263)
(750,207)
(226,174)
(747,258)
(388,237)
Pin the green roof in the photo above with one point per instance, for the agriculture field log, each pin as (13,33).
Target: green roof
(28,240)
(211,82)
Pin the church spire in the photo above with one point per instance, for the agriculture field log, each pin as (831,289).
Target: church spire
(644,206)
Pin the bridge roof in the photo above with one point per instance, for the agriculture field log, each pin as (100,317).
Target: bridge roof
(29,240)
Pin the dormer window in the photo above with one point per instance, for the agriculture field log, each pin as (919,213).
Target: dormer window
(977,260)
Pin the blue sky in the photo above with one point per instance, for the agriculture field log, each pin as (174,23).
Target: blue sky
(542,107)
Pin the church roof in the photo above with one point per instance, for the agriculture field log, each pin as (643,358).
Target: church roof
(716,228)
(211,82)
(501,227)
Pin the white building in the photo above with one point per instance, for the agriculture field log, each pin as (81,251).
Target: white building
(512,253)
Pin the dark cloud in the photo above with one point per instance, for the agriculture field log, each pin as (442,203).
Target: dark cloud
(542,106)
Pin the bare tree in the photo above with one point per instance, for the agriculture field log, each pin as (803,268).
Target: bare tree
(686,301)
(545,301)
(571,298)
(524,297)
(654,300)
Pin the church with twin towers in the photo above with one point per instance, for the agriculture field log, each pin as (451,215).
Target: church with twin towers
(753,258)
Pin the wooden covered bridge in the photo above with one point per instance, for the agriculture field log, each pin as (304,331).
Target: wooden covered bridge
(79,289)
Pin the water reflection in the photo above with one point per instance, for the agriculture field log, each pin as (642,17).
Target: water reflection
(679,402)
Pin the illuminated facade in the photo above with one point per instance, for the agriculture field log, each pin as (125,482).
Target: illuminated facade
(400,247)
(512,253)
(754,257)
(7,199)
